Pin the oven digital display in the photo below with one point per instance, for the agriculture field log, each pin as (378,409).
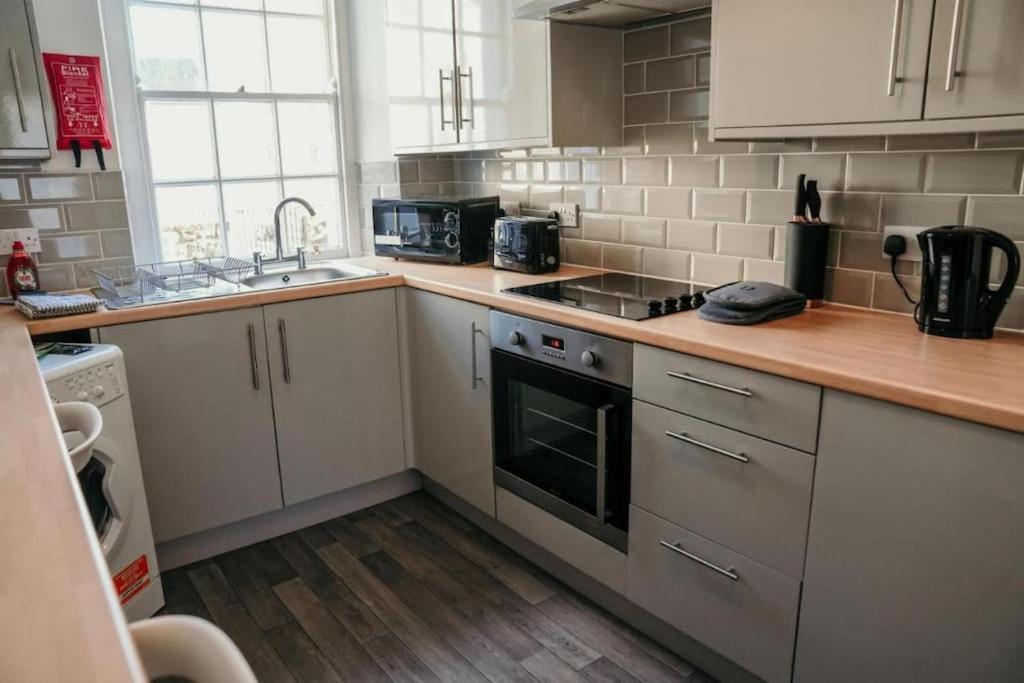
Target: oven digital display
(553,342)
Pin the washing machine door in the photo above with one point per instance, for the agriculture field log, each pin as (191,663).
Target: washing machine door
(106,498)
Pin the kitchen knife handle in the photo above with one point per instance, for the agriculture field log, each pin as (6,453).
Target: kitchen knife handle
(894,49)
(954,44)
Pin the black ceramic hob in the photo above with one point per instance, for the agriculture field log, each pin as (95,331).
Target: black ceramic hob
(635,297)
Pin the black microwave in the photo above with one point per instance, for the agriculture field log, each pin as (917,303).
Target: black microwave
(442,229)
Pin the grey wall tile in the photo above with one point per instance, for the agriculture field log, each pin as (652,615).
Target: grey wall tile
(863,251)
(688,105)
(691,36)
(645,44)
(851,287)
(69,248)
(644,232)
(57,278)
(982,172)
(668,203)
(753,172)
(764,271)
(378,172)
(39,217)
(851,211)
(633,78)
(97,215)
(621,257)
(604,171)
(564,171)
(84,276)
(515,193)
(850,144)
(998,139)
(669,138)
(116,243)
(930,142)
(623,200)
(888,296)
(48,188)
(668,263)
(719,205)
(587,197)
(496,170)
(905,209)
(671,74)
(751,241)
(885,172)
(582,253)
(691,235)
(108,185)
(471,170)
(792,146)
(601,228)
(1003,214)
(409,171)
(367,193)
(695,171)
(1013,315)
(11,191)
(827,169)
(770,207)
(705,146)
(703,69)
(646,171)
(543,196)
(710,269)
(649,108)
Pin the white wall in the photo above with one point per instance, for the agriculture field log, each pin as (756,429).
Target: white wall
(72,27)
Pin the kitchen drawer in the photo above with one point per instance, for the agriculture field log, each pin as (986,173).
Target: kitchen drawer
(758,508)
(748,616)
(775,408)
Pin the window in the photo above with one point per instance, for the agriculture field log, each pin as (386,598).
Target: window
(237,108)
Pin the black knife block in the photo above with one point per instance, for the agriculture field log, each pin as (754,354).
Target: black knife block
(807,259)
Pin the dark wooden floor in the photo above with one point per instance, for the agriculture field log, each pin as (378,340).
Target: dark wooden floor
(410,591)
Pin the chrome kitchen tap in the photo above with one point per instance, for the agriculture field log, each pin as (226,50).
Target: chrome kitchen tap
(279,257)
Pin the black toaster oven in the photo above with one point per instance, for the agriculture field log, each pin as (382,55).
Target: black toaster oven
(442,229)
(526,244)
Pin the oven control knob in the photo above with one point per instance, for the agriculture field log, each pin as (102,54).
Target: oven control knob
(451,240)
(516,338)
(590,359)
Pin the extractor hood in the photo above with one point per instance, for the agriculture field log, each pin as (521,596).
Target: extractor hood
(612,13)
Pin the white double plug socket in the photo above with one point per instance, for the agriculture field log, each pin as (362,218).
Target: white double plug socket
(909,233)
(568,214)
(27,236)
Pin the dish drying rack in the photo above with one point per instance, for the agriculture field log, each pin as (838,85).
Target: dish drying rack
(169,281)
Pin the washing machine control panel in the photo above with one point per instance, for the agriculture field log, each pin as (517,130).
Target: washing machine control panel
(97,385)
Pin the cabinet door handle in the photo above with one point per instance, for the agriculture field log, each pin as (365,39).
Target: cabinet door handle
(602,459)
(254,361)
(894,49)
(18,94)
(954,44)
(441,78)
(727,571)
(686,438)
(472,116)
(286,365)
(474,330)
(687,377)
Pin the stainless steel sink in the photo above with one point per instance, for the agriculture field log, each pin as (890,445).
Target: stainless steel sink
(293,277)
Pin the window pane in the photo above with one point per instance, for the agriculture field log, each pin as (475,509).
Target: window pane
(246,139)
(249,212)
(180,140)
(323,229)
(298,56)
(296,6)
(236,55)
(168,53)
(189,221)
(307,138)
(234,4)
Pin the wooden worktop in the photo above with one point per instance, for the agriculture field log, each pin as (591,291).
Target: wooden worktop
(54,589)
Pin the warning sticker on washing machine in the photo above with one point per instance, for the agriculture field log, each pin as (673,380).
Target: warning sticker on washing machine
(132,579)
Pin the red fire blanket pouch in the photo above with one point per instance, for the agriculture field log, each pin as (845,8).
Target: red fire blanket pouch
(76,86)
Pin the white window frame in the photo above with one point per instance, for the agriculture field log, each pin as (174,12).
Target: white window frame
(129,122)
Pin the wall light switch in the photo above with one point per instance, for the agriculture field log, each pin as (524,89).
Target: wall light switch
(909,232)
(27,236)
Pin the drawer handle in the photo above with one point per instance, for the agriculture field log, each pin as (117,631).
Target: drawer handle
(676,548)
(706,446)
(741,391)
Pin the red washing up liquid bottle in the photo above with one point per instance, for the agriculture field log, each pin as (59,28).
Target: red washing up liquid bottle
(22,275)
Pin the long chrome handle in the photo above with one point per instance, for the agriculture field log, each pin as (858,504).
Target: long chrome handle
(474,330)
(441,78)
(285,363)
(253,360)
(472,116)
(706,446)
(602,459)
(894,48)
(954,44)
(18,94)
(727,571)
(686,377)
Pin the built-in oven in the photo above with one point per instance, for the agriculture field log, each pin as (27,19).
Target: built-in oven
(562,415)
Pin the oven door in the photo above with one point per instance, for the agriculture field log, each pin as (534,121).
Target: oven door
(562,442)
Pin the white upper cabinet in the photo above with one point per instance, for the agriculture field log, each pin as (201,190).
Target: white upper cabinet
(977,60)
(22,125)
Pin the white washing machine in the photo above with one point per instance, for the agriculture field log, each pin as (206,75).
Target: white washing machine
(111,481)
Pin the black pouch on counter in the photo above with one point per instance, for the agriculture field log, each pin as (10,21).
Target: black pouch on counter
(749,303)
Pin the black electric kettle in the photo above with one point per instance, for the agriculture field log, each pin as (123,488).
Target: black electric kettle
(956,299)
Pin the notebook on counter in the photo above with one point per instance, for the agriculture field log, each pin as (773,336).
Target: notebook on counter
(35,306)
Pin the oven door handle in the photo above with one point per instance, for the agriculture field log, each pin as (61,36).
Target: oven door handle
(602,459)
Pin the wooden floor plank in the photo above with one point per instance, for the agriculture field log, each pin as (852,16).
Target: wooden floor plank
(355,541)
(180,596)
(331,638)
(230,614)
(301,655)
(401,665)
(315,536)
(421,640)
(391,515)
(345,605)
(270,564)
(461,633)
(605,670)
(609,642)
(254,591)
(517,611)
(547,668)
